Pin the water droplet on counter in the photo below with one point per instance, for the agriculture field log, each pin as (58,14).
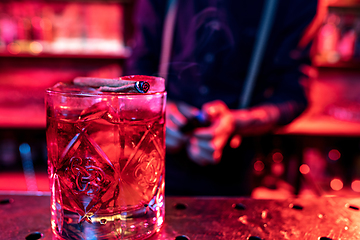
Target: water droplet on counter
(352,207)
(324,238)
(264,214)
(254,238)
(34,236)
(243,219)
(239,206)
(296,206)
(180,206)
(182,237)
(6,201)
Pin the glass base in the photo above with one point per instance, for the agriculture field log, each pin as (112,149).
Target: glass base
(139,223)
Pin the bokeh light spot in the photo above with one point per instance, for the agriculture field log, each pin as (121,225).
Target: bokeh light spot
(277,157)
(277,169)
(259,166)
(24,148)
(355,185)
(334,154)
(14,48)
(235,141)
(304,169)
(336,184)
(36,47)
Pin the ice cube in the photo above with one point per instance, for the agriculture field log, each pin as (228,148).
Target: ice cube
(111,115)
(96,111)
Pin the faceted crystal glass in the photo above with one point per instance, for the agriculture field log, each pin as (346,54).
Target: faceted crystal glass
(106,161)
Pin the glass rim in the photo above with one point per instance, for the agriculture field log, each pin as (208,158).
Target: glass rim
(94,92)
(50,91)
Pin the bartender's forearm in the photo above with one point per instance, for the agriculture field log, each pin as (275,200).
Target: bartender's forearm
(257,120)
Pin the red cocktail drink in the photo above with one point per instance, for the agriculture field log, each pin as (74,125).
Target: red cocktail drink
(106,161)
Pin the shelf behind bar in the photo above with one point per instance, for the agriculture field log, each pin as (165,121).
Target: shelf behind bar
(320,125)
(120,55)
(22,118)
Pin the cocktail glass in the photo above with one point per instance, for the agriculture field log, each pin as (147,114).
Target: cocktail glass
(106,161)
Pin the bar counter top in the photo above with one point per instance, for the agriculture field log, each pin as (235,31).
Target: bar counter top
(323,218)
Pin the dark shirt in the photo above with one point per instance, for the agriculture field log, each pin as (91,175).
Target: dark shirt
(212,47)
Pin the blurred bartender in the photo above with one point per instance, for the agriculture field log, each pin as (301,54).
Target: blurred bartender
(208,62)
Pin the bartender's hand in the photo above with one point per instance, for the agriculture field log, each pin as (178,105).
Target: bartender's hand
(177,115)
(207,143)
